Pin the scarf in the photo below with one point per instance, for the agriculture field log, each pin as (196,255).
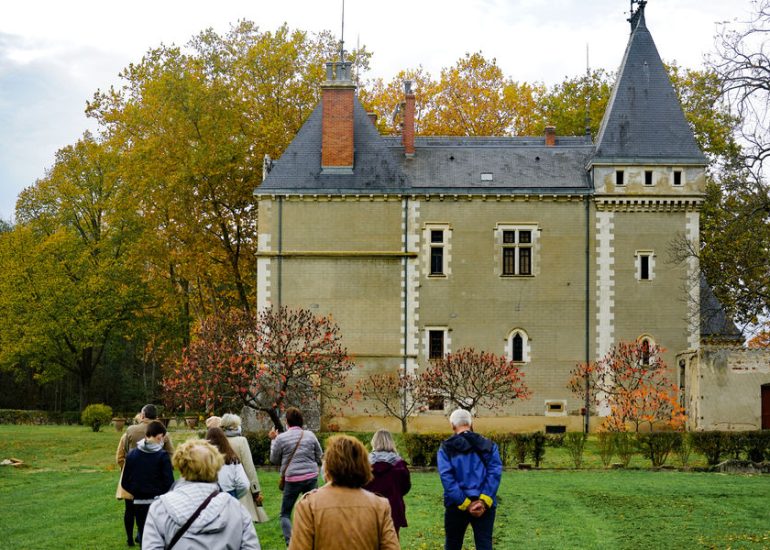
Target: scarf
(232,432)
(149,446)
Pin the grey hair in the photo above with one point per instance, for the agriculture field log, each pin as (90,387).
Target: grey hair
(460,417)
(382,440)
(230,421)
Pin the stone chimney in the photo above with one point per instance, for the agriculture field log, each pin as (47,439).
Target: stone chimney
(337,94)
(550,136)
(407,134)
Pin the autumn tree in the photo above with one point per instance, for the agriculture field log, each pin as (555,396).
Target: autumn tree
(470,379)
(71,281)
(630,384)
(393,394)
(278,358)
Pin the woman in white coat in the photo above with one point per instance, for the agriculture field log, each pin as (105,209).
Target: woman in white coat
(252,501)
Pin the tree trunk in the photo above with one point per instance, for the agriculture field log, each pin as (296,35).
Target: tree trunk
(275,417)
(404,427)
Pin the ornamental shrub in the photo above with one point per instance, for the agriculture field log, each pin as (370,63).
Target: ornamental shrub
(504,443)
(259,444)
(657,446)
(606,445)
(96,416)
(575,443)
(422,449)
(522,444)
(710,444)
(683,449)
(538,448)
(757,445)
(624,447)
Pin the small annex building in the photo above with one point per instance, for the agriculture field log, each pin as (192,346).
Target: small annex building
(548,248)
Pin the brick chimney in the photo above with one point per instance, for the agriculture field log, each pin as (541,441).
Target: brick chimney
(337,122)
(407,134)
(550,136)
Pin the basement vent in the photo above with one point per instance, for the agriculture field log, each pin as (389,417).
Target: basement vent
(487,176)
(555,429)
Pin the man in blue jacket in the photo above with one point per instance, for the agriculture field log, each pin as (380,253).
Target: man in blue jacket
(470,469)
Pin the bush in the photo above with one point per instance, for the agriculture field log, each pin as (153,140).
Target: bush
(624,447)
(606,443)
(734,444)
(555,441)
(757,445)
(422,449)
(522,444)
(504,443)
(575,442)
(538,448)
(710,444)
(96,416)
(259,444)
(656,446)
(683,449)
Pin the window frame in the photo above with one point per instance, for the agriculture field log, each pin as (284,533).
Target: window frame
(526,348)
(639,261)
(518,251)
(437,249)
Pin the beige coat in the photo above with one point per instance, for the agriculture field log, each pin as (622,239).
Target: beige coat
(241,447)
(335,518)
(134,434)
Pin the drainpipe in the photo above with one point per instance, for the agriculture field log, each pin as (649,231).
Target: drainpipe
(587,417)
(406,288)
(280,250)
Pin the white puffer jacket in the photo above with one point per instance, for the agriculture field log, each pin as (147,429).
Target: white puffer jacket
(223,525)
(232,477)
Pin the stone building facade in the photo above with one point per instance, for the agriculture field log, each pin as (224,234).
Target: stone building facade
(548,249)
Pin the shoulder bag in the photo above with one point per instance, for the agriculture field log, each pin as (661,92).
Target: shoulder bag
(282,481)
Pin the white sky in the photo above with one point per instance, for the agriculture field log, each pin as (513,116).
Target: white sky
(54,55)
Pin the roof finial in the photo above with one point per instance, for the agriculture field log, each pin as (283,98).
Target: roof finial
(588,96)
(342,34)
(637,15)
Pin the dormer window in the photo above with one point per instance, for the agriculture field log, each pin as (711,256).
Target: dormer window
(648,177)
(619,177)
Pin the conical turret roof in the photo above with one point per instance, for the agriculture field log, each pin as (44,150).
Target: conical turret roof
(644,122)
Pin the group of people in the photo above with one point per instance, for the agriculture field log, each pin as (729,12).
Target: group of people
(361,505)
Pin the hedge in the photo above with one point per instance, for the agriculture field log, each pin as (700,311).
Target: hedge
(15,416)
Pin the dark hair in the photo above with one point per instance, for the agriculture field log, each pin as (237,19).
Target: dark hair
(294,417)
(217,437)
(346,462)
(155,428)
(149,411)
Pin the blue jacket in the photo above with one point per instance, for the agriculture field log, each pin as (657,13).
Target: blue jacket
(147,473)
(470,467)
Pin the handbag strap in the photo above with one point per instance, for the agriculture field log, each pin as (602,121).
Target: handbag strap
(286,469)
(186,526)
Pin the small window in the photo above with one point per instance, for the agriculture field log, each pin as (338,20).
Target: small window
(619,177)
(555,407)
(436,248)
(435,344)
(644,273)
(677,177)
(486,176)
(645,352)
(437,252)
(648,177)
(517,347)
(435,403)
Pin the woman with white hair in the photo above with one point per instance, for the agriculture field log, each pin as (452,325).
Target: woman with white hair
(391,476)
(252,500)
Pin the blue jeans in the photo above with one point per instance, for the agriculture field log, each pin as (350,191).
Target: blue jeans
(456,523)
(291,492)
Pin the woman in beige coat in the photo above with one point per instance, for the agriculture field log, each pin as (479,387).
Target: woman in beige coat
(252,500)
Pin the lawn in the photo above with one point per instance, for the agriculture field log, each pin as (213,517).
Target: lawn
(64,498)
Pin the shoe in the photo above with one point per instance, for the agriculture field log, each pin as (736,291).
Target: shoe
(130,542)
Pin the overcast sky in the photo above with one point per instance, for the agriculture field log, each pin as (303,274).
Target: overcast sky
(54,55)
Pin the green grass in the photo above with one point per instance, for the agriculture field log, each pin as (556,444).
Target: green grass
(64,498)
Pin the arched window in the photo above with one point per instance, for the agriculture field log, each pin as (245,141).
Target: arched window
(517,346)
(645,343)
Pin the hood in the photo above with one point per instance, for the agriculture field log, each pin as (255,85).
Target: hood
(466,442)
(182,502)
(389,457)
(148,446)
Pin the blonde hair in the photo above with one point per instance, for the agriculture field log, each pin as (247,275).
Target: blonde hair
(230,421)
(198,460)
(346,462)
(382,440)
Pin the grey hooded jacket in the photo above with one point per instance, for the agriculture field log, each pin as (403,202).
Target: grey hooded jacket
(223,525)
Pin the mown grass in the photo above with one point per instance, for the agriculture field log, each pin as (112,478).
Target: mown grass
(64,498)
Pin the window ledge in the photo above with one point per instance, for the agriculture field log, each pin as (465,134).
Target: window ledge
(437,276)
(517,276)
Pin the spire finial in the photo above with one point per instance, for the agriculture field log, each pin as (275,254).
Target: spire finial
(637,15)
(342,34)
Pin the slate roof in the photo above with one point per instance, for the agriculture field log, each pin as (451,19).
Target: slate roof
(644,122)
(440,164)
(714,322)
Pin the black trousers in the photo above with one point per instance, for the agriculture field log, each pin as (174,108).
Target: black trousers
(128,518)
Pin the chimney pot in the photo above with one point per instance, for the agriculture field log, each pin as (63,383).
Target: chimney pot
(550,136)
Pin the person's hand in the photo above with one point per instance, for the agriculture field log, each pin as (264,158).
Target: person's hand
(272,434)
(257,498)
(477,508)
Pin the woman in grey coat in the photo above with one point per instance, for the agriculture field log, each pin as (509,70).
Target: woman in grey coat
(223,523)
(299,455)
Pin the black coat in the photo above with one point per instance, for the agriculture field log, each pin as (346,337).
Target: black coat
(147,474)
